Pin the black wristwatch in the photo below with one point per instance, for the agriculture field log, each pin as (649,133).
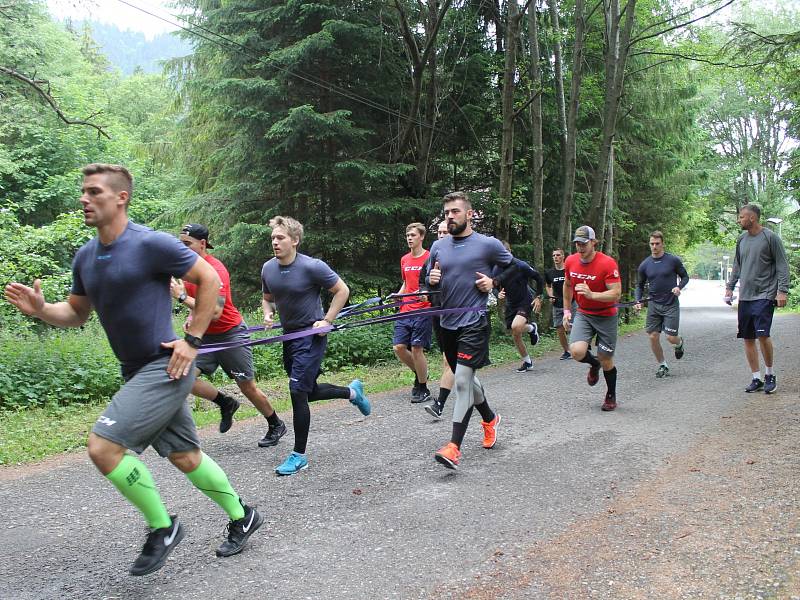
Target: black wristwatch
(182,298)
(193,340)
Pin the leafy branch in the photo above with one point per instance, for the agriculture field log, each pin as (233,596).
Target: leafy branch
(42,87)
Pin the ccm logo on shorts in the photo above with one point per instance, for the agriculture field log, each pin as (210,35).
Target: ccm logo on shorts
(464,356)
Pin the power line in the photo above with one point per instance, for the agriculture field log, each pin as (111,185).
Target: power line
(294,73)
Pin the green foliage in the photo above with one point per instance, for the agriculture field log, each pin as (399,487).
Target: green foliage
(57,368)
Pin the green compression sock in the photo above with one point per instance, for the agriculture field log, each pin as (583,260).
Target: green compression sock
(210,479)
(134,481)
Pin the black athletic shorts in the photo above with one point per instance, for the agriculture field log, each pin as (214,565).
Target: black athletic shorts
(512,311)
(468,345)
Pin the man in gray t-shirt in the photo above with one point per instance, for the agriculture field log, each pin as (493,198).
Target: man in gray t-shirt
(292,283)
(666,276)
(760,267)
(460,268)
(124,276)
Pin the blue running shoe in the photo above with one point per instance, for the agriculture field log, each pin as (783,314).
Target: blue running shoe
(360,400)
(293,464)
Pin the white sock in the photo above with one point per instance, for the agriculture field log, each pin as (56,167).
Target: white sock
(664,364)
(756,374)
(352,394)
(768,371)
(527,359)
(528,327)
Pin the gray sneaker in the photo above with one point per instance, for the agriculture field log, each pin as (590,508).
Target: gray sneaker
(770,384)
(663,371)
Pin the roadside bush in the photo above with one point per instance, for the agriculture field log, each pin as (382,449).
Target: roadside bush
(57,368)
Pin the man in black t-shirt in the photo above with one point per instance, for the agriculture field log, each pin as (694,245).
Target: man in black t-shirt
(554,283)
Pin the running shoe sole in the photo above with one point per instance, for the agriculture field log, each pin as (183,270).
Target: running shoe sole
(176,540)
(430,410)
(445,461)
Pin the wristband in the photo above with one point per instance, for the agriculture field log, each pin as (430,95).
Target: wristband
(182,297)
(194,341)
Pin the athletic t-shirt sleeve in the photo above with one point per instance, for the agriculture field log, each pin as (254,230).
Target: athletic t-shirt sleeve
(322,274)
(641,280)
(682,273)
(612,271)
(169,256)
(264,284)
(501,256)
(77,282)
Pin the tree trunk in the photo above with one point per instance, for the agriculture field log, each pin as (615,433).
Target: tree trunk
(608,245)
(537,151)
(617,48)
(507,139)
(568,191)
(558,73)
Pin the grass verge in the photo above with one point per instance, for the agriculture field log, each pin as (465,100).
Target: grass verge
(33,434)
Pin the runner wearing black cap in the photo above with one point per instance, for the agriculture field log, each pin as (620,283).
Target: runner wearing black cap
(226,326)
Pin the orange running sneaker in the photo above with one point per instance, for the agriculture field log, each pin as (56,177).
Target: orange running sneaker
(490,431)
(448,455)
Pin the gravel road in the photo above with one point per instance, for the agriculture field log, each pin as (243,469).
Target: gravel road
(688,490)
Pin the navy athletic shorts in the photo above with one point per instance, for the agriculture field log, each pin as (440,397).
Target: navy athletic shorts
(302,359)
(413,331)
(755,318)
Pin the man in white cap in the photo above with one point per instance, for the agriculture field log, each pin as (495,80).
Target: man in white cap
(592,278)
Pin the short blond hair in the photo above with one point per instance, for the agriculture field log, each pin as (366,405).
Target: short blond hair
(292,226)
(418,226)
(121,178)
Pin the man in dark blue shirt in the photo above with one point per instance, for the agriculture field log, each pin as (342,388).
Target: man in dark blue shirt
(520,301)
(124,274)
(667,277)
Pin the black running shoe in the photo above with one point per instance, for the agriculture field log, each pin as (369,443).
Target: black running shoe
(534,333)
(423,395)
(755,386)
(273,435)
(227,409)
(415,393)
(770,384)
(610,402)
(524,367)
(565,356)
(157,547)
(679,350)
(239,531)
(663,371)
(435,409)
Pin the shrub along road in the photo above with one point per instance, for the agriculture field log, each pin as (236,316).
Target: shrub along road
(689,489)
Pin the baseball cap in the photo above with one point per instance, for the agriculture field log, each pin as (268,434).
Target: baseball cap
(198,232)
(583,234)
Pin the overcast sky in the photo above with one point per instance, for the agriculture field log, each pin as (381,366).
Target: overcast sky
(117,13)
(125,17)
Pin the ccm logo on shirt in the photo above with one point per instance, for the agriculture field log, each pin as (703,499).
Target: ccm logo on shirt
(574,275)
(412,268)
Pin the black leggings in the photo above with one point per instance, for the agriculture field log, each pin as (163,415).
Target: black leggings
(302,414)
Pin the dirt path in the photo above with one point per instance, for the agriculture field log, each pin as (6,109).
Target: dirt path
(688,490)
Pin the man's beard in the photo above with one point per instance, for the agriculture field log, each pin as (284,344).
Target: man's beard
(456,229)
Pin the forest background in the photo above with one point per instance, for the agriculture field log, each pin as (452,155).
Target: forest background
(356,117)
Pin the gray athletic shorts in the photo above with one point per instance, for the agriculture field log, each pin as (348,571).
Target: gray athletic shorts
(558,315)
(585,327)
(236,362)
(150,409)
(663,317)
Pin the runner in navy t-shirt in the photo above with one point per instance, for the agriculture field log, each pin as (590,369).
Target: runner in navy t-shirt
(124,275)
(292,282)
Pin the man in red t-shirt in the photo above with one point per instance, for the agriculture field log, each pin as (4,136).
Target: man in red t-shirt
(226,326)
(412,336)
(592,278)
